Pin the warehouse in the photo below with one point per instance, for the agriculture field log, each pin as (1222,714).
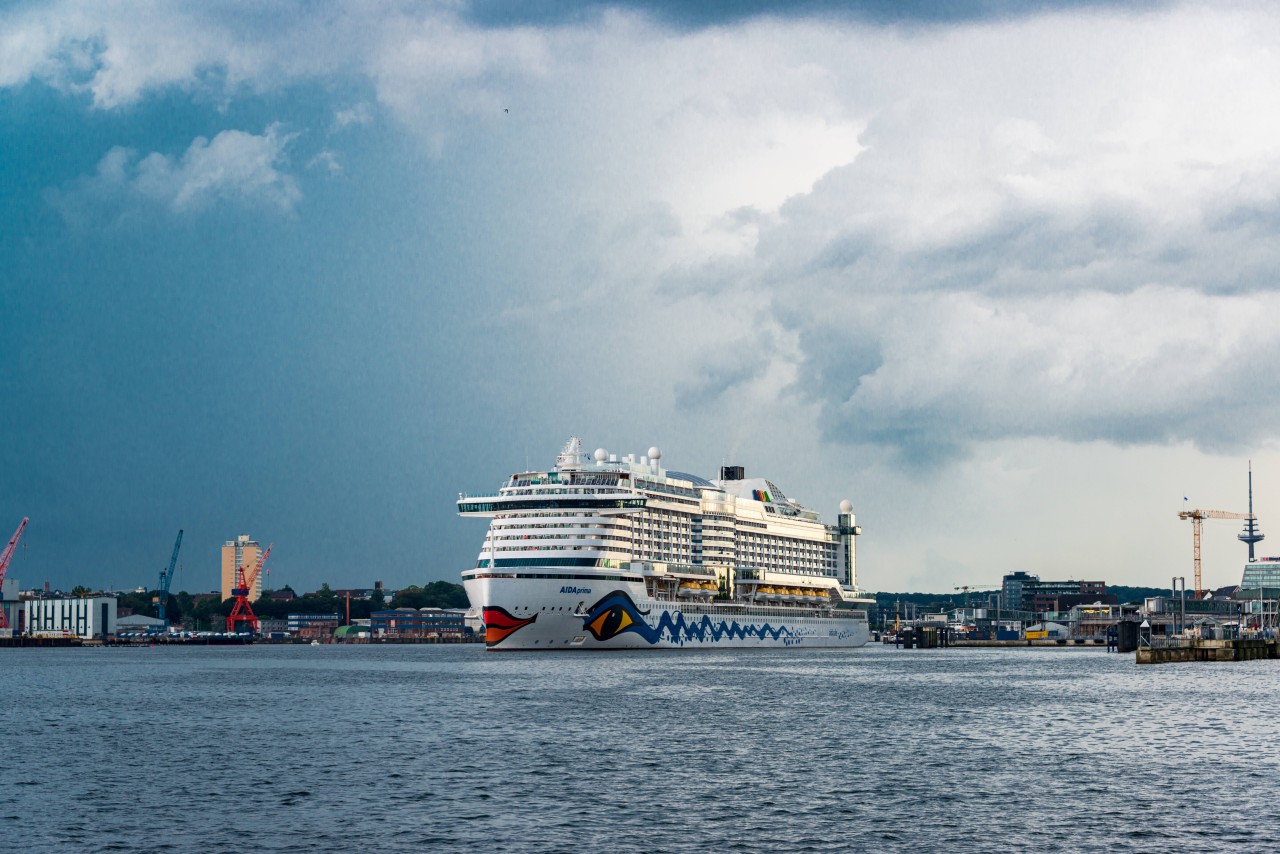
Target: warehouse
(82,616)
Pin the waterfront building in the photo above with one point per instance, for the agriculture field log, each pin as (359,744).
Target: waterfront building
(1026,592)
(1263,572)
(81,616)
(423,623)
(313,625)
(1047,631)
(1060,602)
(1094,619)
(242,551)
(1011,586)
(137,623)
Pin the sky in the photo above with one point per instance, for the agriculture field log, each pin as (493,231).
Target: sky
(1004,277)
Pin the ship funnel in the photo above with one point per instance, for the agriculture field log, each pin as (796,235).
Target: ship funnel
(848,530)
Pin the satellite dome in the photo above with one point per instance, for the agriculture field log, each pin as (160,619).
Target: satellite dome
(601,455)
(846,506)
(655,454)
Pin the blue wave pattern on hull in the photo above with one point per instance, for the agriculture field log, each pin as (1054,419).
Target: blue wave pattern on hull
(618,613)
(699,630)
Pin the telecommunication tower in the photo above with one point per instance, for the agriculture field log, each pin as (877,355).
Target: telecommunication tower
(1251,533)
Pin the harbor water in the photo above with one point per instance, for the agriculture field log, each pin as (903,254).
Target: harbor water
(450,748)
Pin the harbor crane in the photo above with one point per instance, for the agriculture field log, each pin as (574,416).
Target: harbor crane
(166,578)
(5,557)
(1197,517)
(242,611)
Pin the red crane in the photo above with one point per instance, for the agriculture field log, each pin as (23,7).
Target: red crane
(4,565)
(242,611)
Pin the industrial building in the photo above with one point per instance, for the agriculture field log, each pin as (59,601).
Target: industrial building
(424,623)
(313,625)
(139,623)
(81,616)
(1026,592)
(242,551)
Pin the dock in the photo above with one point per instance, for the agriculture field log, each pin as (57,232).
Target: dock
(1036,642)
(27,641)
(1167,650)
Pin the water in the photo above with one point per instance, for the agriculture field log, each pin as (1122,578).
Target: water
(449,748)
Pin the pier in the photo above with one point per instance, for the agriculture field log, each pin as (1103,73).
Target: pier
(25,641)
(1167,650)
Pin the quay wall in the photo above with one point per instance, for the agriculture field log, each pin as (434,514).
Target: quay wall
(1033,642)
(1208,650)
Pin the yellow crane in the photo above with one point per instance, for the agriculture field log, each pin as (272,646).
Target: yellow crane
(1196,517)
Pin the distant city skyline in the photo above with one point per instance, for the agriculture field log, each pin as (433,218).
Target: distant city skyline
(1003,277)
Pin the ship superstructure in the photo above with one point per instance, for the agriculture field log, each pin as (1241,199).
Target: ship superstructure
(602,552)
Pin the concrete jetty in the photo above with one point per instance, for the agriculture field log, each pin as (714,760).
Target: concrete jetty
(1166,650)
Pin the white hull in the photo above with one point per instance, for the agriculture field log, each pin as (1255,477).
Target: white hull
(550,614)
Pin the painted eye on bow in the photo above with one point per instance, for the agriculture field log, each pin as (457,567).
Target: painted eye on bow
(614,614)
(610,623)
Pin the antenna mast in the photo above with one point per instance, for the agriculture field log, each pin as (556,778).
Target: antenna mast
(1251,533)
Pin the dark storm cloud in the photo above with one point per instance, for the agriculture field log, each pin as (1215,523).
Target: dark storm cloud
(712,382)
(498,13)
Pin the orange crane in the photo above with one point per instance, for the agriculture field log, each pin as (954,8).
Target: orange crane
(5,557)
(1196,517)
(242,611)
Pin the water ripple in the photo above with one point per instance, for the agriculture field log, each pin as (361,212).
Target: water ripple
(305,749)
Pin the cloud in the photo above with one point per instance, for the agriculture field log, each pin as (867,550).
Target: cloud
(234,166)
(326,160)
(1027,248)
(1155,366)
(992,227)
(118,53)
(360,114)
(492,13)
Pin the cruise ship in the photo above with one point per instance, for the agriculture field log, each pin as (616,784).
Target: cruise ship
(606,553)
